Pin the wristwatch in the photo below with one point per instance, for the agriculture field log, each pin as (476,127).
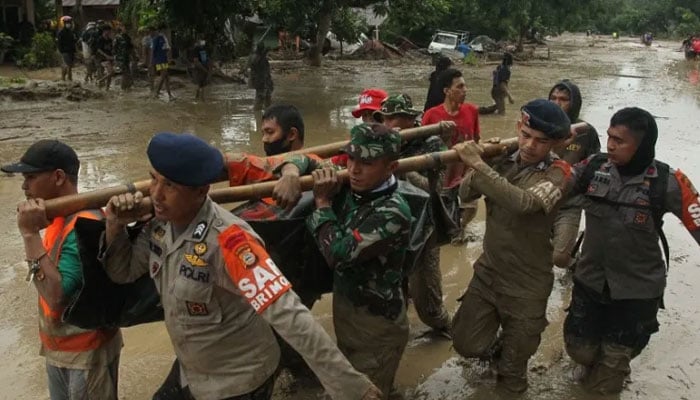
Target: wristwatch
(35,271)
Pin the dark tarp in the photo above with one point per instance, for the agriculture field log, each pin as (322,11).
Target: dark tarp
(103,303)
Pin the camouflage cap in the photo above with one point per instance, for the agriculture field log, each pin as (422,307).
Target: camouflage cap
(372,141)
(397,105)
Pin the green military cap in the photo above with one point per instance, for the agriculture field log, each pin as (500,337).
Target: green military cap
(397,105)
(372,141)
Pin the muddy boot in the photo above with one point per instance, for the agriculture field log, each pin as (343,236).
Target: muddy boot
(608,376)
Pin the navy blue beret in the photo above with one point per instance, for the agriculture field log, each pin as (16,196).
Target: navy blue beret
(546,117)
(185,159)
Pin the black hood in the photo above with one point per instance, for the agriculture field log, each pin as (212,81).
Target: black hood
(574,97)
(642,126)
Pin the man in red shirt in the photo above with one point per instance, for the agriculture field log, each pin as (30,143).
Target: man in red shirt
(466,117)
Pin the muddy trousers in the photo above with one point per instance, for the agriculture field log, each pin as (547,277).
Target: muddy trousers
(604,335)
(565,233)
(475,331)
(171,389)
(99,382)
(499,105)
(373,344)
(425,288)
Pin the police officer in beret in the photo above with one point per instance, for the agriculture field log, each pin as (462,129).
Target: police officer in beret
(221,293)
(513,276)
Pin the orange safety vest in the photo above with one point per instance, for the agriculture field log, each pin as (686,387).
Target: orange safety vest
(55,335)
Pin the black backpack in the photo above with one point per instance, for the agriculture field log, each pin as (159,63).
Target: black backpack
(657,195)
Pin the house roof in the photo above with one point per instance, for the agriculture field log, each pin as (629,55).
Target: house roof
(71,3)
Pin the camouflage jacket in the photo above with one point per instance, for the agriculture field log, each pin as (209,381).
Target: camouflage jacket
(363,239)
(123,47)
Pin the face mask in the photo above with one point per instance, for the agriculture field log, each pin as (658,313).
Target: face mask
(201,43)
(277,147)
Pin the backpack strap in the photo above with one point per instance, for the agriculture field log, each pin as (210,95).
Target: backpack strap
(657,194)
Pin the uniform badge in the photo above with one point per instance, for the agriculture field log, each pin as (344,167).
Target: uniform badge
(199,230)
(200,248)
(246,255)
(195,260)
(158,233)
(155,248)
(641,218)
(196,309)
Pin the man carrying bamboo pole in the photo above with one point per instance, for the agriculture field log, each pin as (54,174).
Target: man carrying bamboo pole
(80,363)
(363,230)
(221,292)
(513,276)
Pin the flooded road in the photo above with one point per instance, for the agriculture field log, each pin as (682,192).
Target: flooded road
(110,137)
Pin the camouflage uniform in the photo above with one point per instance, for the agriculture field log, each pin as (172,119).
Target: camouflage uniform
(566,224)
(261,78)
(363,238)
(123,48)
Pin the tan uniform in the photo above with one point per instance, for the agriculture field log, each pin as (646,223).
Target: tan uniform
(513,276)
(221,294)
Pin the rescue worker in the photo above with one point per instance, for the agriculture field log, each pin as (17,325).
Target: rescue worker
(123,53)
(370,100)
(499,89)
(80,363)
(66,41)
(221,293)
(513,276)
(620,278)
(586,143)
(282,131)
(363,230)
(466,118)
(425,282)
(261,77)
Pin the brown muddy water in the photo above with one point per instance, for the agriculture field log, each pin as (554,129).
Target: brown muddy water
(110,136)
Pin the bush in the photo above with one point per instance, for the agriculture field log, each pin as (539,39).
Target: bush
(41,54)
(471,59)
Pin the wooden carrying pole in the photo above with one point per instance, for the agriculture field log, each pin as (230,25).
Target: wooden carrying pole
(416,163)
(67,205)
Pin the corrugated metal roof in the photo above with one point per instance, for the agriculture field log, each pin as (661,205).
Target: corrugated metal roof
(71,3)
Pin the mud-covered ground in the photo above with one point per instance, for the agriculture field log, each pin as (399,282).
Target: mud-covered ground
(110,132)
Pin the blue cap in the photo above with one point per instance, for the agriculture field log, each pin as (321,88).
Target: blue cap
(546,117)
(185,159)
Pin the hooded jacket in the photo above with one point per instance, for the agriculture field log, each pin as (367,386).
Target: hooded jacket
(586,142)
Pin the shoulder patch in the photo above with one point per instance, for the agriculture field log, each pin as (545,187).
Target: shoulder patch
(251,269)
(564,166)
(690,205)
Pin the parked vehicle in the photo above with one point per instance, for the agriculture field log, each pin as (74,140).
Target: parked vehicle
(447,40)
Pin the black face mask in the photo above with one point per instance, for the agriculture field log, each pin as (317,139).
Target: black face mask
(277,147)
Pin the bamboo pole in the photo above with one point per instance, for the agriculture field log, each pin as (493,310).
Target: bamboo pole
(70,204)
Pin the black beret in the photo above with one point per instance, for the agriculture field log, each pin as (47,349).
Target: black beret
(185,159)
(546,117)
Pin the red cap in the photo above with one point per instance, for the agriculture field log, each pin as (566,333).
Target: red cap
(370,99)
